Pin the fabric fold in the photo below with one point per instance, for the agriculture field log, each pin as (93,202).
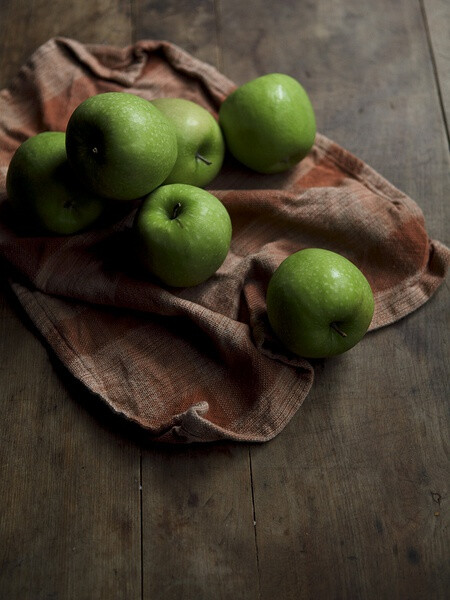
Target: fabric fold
(198,364)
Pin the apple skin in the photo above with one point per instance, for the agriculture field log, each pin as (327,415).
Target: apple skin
(268,123)
(313,291)
(182,233)
(121,145)
(199,139)
(45,192)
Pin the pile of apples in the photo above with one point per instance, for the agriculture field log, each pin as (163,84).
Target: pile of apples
(119,147)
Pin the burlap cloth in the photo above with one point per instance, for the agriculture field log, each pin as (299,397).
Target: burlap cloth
(198,364)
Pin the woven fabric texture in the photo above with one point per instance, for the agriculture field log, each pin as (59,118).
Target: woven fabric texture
(198,364)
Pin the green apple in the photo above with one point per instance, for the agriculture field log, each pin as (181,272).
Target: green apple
(201,146)
(319,303)
(268,123)
(121,145)
(45,191)
(183,234)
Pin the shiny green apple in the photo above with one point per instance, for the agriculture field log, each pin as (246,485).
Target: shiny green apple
(200,142)
(44,190)
(268,123)
(319,303)
(121,145)
(182,234)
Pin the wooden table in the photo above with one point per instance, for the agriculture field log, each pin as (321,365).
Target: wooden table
(351,500)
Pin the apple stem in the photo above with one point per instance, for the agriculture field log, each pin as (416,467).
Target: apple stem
(205,160)
(176,210)
(337,329)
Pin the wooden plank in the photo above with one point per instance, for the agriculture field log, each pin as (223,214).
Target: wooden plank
(25,26)
(198,533)
(198,524)
(69,492)
(350,498)
(192,24)
(70,522)
(437,18)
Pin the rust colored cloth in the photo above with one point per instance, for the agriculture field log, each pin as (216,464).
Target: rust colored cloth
(198,364)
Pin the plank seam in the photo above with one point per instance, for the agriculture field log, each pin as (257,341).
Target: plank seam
(435,69)
(254,523)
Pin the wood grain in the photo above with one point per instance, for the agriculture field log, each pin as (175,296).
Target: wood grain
(191,24)
(355,61)
(69,492)
(198,532)
(70,521)
(197,517)
(351,499)
(25,26)
(437,19)
(348,500)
